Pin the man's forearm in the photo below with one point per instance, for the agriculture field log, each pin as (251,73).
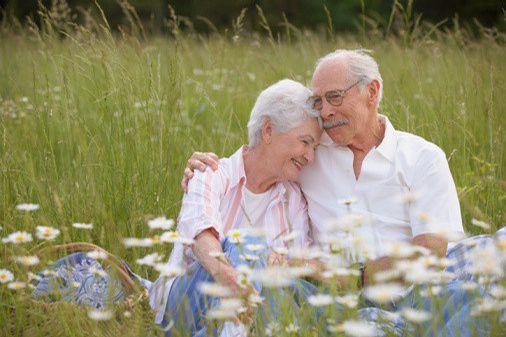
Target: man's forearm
(436,244)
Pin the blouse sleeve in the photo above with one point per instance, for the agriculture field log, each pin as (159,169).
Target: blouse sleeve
(200,207)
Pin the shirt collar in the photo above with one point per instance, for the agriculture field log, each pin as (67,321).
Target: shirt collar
(387,146)
(237,173)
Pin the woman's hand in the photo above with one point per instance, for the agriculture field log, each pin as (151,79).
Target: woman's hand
(198,161)
(276,259)
(229,277)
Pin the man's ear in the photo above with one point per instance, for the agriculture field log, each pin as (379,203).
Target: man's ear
(267,131)
(373,89)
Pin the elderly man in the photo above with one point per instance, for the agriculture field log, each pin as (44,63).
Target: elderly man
(400,183)
(364,165)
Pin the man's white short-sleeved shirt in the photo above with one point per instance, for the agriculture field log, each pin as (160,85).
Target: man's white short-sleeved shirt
(403,166)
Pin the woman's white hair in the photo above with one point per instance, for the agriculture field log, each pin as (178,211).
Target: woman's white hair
(360,65)
(285,103)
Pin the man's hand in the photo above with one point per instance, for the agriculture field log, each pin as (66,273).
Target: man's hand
(198,161)
(435,243)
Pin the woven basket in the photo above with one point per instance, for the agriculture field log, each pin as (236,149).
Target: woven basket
(132,317)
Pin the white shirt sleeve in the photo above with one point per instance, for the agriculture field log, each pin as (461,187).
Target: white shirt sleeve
(436,208)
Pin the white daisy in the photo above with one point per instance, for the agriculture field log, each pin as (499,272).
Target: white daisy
(135,242)
(292,328)
(47,233)
(161,223)
(415,316)
(27,207)
(481,224)
(16,285)
(6,276)
(18,237)
(97,254)
(100,315)
(356,328)
(168,270)
(82,225)
(175,237)
(320,300)
(150,259)
(384,293)
(214,289)
(27,260)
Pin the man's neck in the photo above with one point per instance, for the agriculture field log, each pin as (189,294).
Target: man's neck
(370,137)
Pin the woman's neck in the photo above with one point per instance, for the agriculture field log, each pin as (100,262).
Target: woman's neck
(258,176)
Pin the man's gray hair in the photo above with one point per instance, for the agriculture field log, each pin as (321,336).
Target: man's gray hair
(287,105)
(360,65)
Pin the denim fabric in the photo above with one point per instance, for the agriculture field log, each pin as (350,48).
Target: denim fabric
(187,306)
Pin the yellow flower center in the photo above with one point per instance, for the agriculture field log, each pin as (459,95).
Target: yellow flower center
(19,238)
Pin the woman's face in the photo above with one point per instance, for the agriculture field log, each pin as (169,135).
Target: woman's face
(293,150)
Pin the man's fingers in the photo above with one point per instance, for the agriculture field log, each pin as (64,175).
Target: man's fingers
(213,156)
(195,164)
(188,174)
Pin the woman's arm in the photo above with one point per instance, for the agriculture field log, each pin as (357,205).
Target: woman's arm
(220,268)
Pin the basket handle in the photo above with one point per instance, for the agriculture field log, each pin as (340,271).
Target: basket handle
(110,260)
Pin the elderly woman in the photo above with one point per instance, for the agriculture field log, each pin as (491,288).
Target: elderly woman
(253,189)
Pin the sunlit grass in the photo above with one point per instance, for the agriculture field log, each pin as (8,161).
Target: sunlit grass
(96,129)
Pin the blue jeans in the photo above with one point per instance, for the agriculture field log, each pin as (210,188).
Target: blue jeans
(187,306)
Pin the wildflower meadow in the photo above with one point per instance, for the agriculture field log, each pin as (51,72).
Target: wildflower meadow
(97,125)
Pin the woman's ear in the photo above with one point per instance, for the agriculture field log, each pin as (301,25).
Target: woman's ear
(267,131)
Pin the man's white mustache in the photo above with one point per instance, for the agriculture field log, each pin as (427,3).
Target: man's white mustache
(333,123)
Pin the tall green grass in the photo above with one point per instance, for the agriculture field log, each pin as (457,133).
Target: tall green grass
(97,126)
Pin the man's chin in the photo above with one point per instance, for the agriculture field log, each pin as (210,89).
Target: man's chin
(336,136)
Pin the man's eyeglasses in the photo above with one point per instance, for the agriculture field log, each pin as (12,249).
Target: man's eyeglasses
(334,97)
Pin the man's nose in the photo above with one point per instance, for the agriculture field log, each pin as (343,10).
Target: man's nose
(327,110)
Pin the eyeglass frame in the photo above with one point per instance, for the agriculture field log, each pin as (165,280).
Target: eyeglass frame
(341,93)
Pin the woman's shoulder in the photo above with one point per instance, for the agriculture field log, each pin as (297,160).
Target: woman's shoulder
(293,191)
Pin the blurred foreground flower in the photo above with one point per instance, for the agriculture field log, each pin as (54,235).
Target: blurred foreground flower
(481,224)
(415,316)
(97,254)
(350,300)
(82,225)
(27,207)
(16,285)
(161,223)
(384,293)
(47,233)
(356,328)
(27,260)
(292,328)
(18,237)
(320,300)
(150,259)
(168,270)
(100,315)
(175,237)
(6,276)
(135,242)
(214,289)
(274,277)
